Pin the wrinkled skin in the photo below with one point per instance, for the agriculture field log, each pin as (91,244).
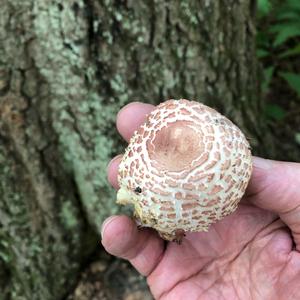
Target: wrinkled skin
(251,254)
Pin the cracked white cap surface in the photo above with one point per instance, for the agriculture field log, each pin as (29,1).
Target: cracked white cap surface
(185,168)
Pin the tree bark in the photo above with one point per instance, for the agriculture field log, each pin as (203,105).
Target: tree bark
(66,68)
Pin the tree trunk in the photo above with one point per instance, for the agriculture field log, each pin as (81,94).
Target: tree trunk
(66,68)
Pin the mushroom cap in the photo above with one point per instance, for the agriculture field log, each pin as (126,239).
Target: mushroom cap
(185,168)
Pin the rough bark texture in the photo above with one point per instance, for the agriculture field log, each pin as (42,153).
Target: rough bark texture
(66,68)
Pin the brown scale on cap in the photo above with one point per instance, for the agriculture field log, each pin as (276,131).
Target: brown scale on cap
(185,168)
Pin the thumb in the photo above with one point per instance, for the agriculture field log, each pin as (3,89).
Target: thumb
(275,186)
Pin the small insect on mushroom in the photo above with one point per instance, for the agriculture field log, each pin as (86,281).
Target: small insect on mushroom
(195,163)
(137,190)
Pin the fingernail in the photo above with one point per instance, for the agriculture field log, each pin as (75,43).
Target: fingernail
(105,223)
(262,163)
(113,160)
(127,106)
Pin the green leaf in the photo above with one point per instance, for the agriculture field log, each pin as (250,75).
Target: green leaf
(268,74)
(261,53)
(263,7)
(275,112)
(285,31)
(297,138)
(293,80)
(263,39)
(291,52)
(292,4)
(288,15)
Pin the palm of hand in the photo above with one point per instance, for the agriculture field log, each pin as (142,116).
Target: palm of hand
(245,256)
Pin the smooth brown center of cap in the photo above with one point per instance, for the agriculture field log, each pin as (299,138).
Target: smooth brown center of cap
(176,146)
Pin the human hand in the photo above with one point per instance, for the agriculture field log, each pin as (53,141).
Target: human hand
(251,254)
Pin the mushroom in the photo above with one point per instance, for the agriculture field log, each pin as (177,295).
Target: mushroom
(185,168)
